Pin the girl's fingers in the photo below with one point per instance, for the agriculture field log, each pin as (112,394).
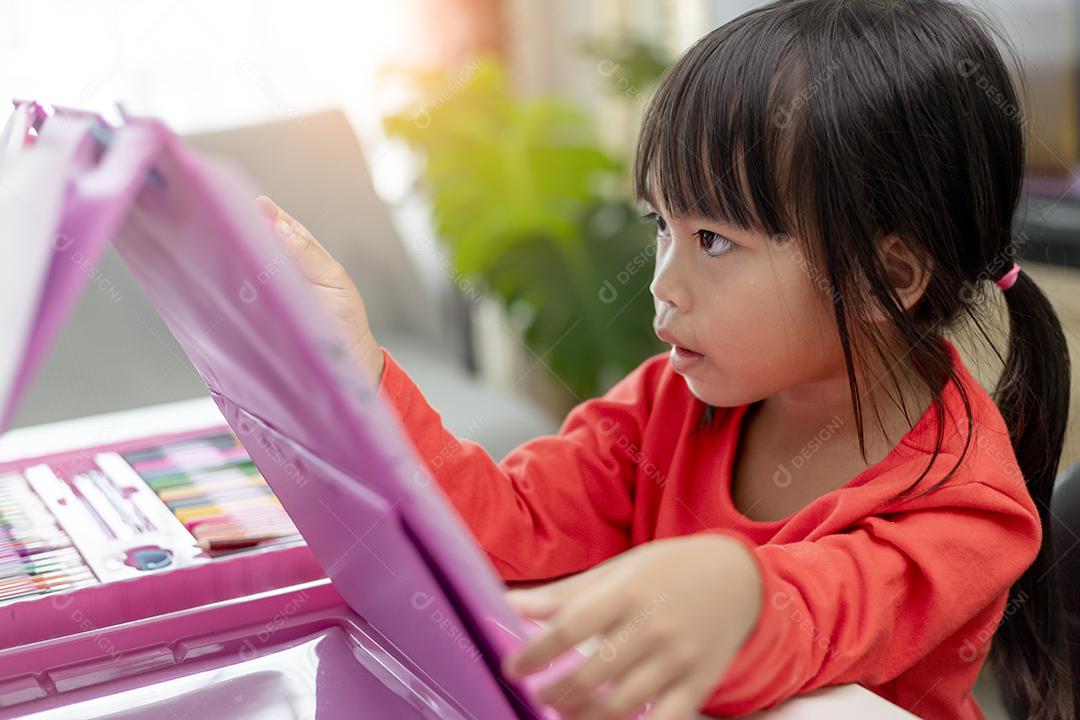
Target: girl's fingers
(542,601)
(318,266)
(266,207)
(589,613)
(536,604)
(633,690)
(678,703)
(285,225)
(611,660)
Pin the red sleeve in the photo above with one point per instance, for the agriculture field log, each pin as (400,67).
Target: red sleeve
(555,505)
(863,606)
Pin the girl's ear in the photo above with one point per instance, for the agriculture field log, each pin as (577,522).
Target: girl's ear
(907,272)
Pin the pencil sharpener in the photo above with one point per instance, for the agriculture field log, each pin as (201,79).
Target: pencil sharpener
(148,558)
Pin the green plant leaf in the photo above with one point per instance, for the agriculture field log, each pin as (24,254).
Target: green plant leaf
(517,190)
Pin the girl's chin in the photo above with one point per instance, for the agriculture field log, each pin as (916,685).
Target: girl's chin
(705,391)
(717,393)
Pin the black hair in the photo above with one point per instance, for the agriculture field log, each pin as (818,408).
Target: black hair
(835,123)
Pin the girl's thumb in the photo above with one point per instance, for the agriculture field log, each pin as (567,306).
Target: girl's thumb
(536,603)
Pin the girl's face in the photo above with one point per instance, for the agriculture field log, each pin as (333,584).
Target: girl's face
(747,315)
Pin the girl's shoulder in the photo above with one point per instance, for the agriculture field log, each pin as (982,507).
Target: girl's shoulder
(975,446)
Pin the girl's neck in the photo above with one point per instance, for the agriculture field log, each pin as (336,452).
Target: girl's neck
(799,413)
(817,425)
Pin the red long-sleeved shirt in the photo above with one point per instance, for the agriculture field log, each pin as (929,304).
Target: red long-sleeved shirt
(900,597)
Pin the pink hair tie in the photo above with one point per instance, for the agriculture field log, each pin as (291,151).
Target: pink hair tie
(1007,280)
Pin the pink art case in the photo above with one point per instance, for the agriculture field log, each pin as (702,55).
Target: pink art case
(410,621)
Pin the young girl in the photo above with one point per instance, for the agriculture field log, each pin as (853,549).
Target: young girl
(810,488)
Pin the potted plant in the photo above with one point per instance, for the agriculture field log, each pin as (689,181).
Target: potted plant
(534,212)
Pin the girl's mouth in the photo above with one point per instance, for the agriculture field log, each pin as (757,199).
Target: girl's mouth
(683,358)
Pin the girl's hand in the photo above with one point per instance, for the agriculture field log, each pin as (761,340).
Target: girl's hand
(671,614)
(335,290)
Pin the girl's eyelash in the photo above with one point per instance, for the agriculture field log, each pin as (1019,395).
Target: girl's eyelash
(661,224)
(703,235)
(706,235)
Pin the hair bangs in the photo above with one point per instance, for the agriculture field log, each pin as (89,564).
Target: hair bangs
(718,139)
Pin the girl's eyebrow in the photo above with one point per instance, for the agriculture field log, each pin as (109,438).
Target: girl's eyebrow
(703,220)
(651,211)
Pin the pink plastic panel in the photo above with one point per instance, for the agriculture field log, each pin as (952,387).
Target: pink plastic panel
(273,359)
(297,653)
(102,606)
(252,327)
(69,198)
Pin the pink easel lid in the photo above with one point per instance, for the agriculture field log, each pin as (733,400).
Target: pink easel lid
(274,362)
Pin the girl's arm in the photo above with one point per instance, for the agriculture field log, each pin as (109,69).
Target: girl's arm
(713,621)
(555,505)
(866,605)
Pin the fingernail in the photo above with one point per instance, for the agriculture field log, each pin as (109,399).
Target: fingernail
(283,228)
(536,600)
(266,206)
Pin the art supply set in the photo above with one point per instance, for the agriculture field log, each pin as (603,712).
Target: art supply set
(36,555)
(103,516)
(200,600)
(214,489)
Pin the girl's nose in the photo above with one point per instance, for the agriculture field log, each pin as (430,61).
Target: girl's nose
(668,290)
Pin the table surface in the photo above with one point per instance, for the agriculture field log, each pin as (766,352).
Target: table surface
(839,703)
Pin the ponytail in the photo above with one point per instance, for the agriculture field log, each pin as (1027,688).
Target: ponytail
(1030,655)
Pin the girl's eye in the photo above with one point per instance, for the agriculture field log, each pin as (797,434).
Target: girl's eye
(661,223)
(713,243)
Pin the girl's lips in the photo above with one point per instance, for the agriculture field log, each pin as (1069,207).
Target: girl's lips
(683,359)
